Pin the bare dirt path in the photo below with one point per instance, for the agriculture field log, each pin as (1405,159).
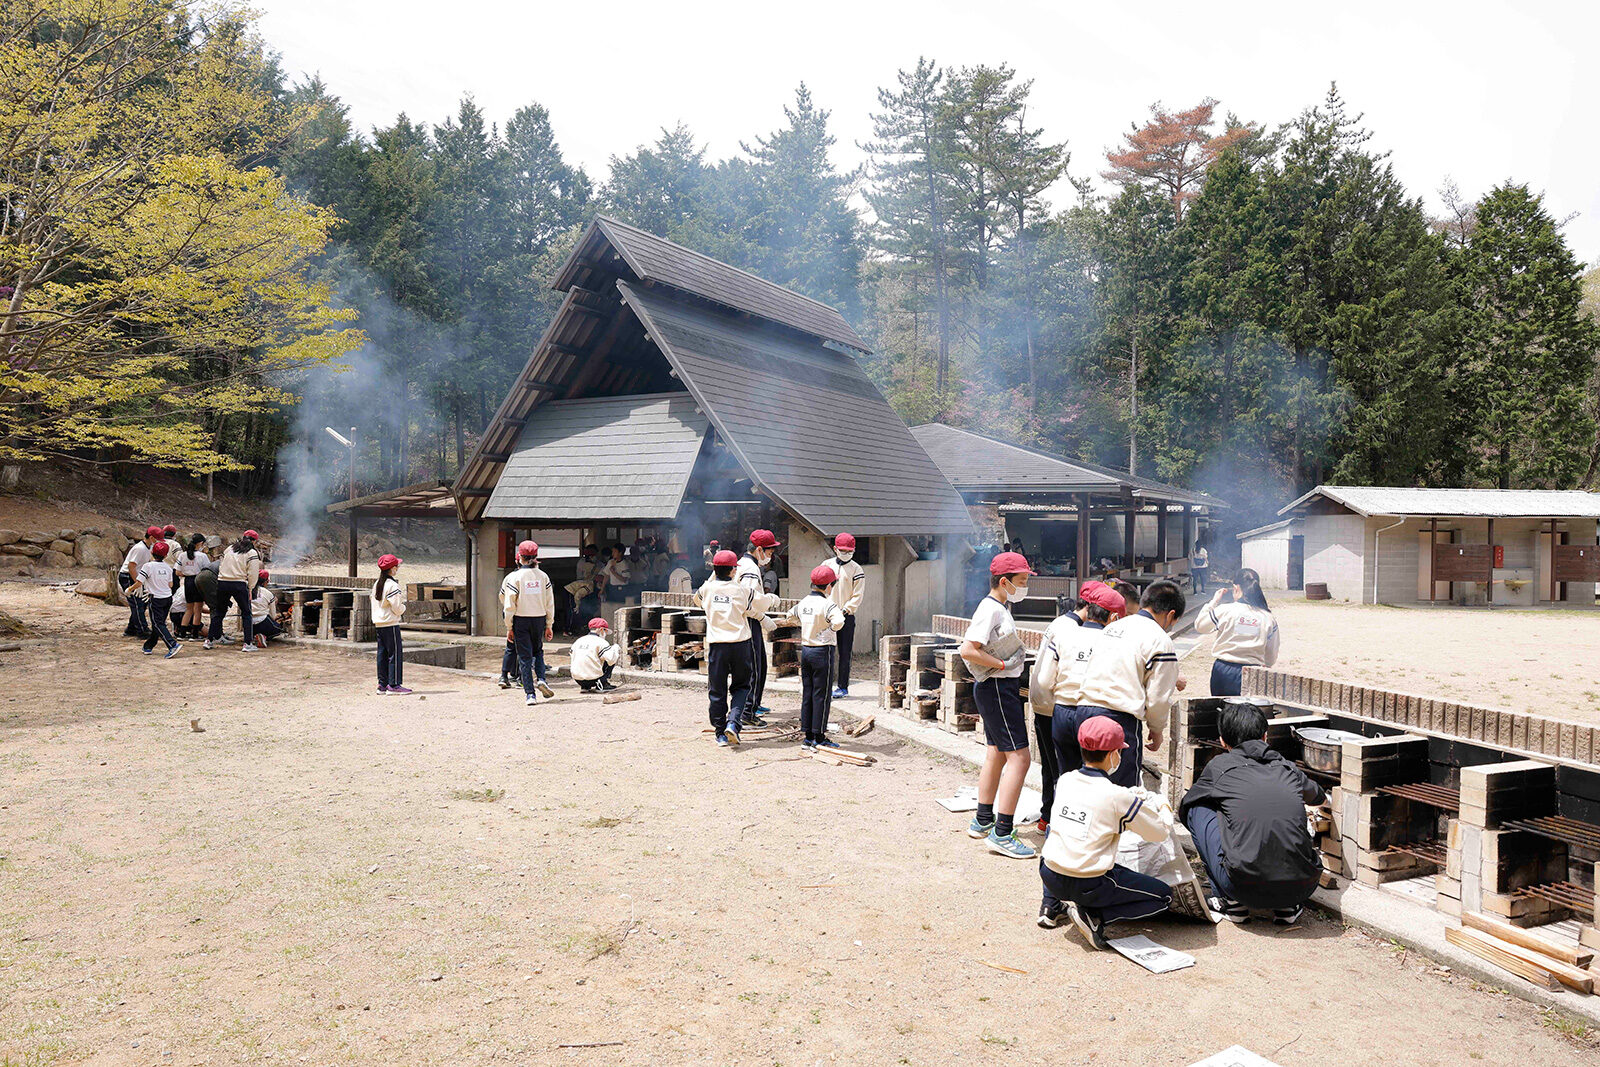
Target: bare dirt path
(323,877)
(1544,662)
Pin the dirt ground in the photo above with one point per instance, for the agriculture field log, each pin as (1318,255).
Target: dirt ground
(1513,660)
(328,876)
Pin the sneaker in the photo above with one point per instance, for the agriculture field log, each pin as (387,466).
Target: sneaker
(247,648)
(608,687)
(1052,915)
(224,640)
(399,690)
(505,683)
(980,830)
(809,745)
(840,694)
(1090,926)
(722,741)
(732,734)
(1043,827)
(148,651)
(1230,910)
(531,701)
(383,690)
(208,646)
(1286,916)
(752,719)
(826,742)
(173,651)
(1009,846)
(544,689)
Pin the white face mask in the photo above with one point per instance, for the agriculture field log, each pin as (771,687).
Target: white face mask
(1016,594)
(846,557)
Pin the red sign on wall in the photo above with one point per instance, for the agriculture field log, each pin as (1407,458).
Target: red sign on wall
(1499,555)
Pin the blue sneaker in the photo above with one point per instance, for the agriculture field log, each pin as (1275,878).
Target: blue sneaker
(173,651)
(763,710)
(731,736)
(1009,846)
(840,694)
(826,742)
(980,830)
(809,745)
(722,741)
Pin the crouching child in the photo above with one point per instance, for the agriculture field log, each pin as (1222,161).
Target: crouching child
(820,620)
(1082,880)
(1247,815)
(594,656)
(264,612)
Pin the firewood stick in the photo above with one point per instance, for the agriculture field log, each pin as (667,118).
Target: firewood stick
(1484,947)
(1571,955)
(619,698)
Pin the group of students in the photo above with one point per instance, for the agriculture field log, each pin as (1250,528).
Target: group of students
(738,605)
(170,585)
(1103,686)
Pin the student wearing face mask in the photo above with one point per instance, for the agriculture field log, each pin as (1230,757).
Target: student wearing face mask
(846,593)
(1133,676)
(763,546)
(993,651)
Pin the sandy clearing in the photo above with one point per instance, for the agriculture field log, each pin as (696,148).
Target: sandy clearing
(213,895)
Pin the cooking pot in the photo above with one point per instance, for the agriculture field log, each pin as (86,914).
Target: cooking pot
(1323,748)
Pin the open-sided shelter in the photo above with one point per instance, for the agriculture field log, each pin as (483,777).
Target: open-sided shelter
(678,396)
(1070,514)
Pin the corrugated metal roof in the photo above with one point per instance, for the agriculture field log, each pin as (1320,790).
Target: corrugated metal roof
(1259,530)
(974,463)
(655,259)
(1497,503)
(803,420)
(621,457)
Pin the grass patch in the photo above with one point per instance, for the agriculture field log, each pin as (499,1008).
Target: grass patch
(989,1038)
(481,796)
(1579,1033)
(601,822)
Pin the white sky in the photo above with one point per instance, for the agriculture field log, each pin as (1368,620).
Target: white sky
(1476,90)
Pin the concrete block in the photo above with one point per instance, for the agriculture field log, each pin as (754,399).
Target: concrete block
(1471,891)
(1589,937)
(1448,886)
(1448,906)
(1471,853)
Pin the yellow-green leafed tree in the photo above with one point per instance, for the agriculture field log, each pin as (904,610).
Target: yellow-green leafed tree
(153,269)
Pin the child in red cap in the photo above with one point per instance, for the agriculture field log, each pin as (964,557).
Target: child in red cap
(820,619)
(1082,879)
(388,605)
(730,607)
(594,656)
(848,592)
(155,581)
(994,653)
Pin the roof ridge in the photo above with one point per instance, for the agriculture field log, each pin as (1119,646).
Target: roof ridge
(720,263)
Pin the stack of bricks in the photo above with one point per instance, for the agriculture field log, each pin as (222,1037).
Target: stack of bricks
(894,658)
(1486,864)
(1504,729)
(958,711)
(1370,823)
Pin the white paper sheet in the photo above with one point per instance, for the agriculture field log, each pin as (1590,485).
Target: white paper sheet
(1157,959)
(1237,1056)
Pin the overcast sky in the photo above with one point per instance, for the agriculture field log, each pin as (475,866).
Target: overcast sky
(1473,90)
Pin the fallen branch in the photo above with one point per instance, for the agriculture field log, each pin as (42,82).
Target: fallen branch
(1003,967)
(590,1044)
(620,698)
(862,727)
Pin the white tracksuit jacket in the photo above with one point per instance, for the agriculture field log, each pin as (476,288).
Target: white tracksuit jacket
(526,591)
(1244,634)
(1134,670)
(851,586)
(729,606)
(591,653)
(1090,815)
(819,618)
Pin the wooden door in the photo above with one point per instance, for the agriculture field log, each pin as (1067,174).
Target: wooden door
(1297,562)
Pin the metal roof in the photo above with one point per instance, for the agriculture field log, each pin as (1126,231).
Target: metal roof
(621,457)
(803,420)
(1267,528)
(975,463)
(424,500)
(1495,503)
(651,259)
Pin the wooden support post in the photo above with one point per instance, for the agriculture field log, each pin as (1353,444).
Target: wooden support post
(1161,535)
(1488,597)
(1129,529)
(1433,540)
(1552,558)
(352,547)
(1188,531)
(472,608)
(1083,539)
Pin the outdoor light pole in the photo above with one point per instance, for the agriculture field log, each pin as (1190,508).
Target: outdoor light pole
(350,443)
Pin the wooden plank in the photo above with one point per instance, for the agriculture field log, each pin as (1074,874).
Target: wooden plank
(1488,948)
(1571,955)
(1462,563)
(1575,563)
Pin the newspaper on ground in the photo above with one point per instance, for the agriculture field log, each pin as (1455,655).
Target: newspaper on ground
(966,799)
(1237,1056)
(1167,861)
(1157,959)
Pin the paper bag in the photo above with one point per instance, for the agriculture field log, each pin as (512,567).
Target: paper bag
(1166,860)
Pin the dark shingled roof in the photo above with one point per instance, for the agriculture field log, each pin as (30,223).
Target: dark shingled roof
(803,420)
(617,457)
(653,259)
(975,463)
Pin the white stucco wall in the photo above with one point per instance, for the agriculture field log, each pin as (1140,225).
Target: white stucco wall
(1336,553)
(1267,555)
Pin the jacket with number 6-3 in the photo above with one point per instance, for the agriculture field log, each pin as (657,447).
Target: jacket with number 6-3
(729,606)
(526,592)
(1090,815)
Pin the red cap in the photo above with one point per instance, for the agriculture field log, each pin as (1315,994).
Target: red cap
(387,560)
(1010,563)
(252,535)
(725,558)
(159,549)
(168,530)
(1102,595)
(265,578)
(823,575)
(1101,734)
(764,539)
(845,541)
(599,624)
(152,531)
(527,550)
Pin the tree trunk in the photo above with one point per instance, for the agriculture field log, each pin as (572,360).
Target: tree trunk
(461,441)
(1133,405)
